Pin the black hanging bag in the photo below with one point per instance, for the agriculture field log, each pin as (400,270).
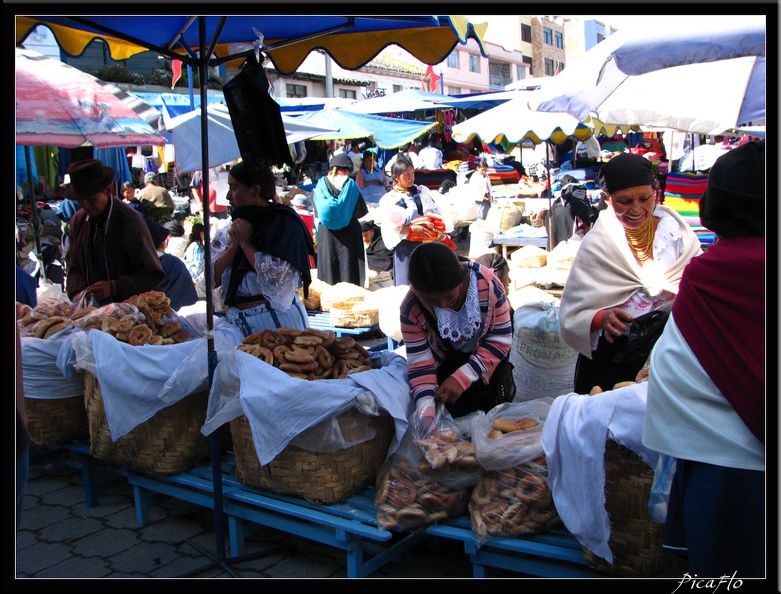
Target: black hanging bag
(256,117)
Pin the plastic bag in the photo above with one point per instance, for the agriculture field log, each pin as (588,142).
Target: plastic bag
(660,488)
(512,496)
(408,498)
(513,502)
(512,448)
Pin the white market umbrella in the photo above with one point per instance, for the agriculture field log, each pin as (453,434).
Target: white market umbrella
(699,75)
(513,122)
(223,148)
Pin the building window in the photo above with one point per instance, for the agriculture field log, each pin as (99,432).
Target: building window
(474,63)
(454,90)
(452,60)
(526,33)
(499,74)
(547,36)
(520,72)
(528,60)
(397,88)
(559,36)
(295,90)
(347,94)
(550,67)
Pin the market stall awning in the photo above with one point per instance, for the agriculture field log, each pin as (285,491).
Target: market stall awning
(513,122)
(286,39)
(388,133)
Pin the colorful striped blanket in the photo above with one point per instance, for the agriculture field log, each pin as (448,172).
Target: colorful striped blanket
(682,193)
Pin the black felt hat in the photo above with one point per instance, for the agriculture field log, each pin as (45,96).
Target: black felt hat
(733,204)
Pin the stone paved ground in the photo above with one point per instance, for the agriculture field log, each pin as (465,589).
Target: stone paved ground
(60,537)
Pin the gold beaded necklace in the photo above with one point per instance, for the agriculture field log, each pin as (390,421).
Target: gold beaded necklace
(641,241)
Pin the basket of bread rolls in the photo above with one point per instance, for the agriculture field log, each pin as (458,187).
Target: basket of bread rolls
(318,477)
(170,441)
(54,405)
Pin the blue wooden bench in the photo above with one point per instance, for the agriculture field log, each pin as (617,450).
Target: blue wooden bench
(321,320)
(553,554)
(350,526)
(97,476)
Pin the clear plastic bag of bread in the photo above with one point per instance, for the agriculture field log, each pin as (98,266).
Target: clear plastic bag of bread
(48,319)
(142,319)
(409,498)
(445,450)
(516,501)
(512,496)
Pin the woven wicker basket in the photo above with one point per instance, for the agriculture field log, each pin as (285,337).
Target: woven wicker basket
(54,421)
(168,443)
(635,540)
(317,477)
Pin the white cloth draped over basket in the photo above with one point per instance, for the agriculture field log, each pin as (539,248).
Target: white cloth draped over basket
(137,382)
(280,408)
(42,377)
(574,438)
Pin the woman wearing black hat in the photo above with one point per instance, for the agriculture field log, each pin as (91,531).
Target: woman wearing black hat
(628,265)
(338,206)
(111,255)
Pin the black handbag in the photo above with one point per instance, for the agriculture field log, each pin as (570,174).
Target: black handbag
(644,331)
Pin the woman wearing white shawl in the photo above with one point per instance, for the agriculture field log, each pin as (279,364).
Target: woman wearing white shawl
(629,264)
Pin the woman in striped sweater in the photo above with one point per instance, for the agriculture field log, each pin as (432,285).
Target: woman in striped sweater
(457,330)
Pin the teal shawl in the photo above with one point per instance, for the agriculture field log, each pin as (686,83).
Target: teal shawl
(335,210)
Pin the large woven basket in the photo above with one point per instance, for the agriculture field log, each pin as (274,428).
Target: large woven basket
(635,540)
(317,477)
(168,443)
(54,421)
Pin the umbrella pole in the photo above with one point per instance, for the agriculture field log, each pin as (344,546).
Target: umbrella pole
(219,558)
(550,201)
(34,221)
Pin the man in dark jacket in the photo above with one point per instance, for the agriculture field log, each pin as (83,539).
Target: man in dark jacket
(112,256)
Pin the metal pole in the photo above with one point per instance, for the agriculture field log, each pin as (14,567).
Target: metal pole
(34,220)
(550,200)
(329,77)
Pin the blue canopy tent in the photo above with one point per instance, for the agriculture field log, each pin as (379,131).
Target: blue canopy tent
(388,133)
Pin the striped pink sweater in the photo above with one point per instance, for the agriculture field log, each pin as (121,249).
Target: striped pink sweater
(425,349)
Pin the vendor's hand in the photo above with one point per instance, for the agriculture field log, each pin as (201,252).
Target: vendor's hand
(615,323)
(449,391)
(424,416)
(100,290)
(240,231)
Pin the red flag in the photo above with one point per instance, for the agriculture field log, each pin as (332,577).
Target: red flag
(176,66)
(433,79)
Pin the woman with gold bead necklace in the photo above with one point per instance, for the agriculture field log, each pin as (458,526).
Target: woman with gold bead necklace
(628,265)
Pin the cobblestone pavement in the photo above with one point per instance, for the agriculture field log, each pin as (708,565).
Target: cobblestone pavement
(60,537)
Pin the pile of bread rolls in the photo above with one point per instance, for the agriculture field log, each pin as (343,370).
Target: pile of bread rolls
(443,450)
(513,502)
(308,354)
(45,319)
(407,498)
(142,319)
